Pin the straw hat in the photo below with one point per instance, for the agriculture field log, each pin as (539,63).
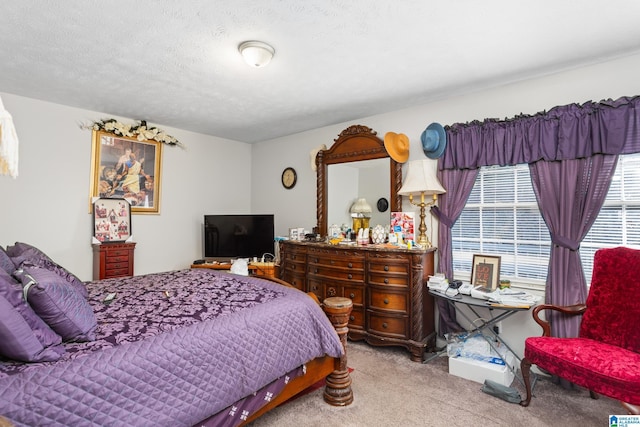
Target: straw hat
(434,140)
(397,145)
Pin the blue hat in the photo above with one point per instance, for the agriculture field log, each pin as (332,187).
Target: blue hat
(434,140)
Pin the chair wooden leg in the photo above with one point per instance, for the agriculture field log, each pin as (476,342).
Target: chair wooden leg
(594,395)
(631,409)
(525,369)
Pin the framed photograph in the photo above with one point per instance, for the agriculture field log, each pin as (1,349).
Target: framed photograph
(126,168)
(485,271)
(111,220)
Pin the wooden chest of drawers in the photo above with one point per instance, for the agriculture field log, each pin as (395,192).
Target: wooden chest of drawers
(112,260)
(391,305)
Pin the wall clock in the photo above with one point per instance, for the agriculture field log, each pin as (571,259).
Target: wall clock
(289,178)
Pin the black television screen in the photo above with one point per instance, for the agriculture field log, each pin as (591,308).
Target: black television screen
(238,236)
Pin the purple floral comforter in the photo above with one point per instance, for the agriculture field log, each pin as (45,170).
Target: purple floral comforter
(172,349)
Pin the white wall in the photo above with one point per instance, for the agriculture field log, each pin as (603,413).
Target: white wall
(48,204)
(612,79)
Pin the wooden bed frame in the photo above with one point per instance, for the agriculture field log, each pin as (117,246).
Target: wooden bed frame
(337,391)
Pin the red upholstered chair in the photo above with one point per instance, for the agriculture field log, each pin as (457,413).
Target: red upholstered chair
(604,358)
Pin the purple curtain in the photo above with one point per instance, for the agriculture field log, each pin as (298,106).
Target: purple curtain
(570,194)
(458,183)
(572,150)
(563,133)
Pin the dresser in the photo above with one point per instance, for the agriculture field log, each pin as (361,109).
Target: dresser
(112,260)
(391,306)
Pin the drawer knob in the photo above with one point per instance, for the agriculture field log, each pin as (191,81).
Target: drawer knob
(352,318)
(386,300)
(332,262)
(350,276)
(386,268)
(352,295)
(331,292)
(384,325)
(350,265)
(386,281)
(293,267)
(315,271)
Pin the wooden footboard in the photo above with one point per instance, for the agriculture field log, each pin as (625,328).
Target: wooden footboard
(338,382)
(317,369)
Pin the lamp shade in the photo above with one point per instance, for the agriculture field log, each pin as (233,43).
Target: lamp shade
(421,177)
(361,206)
(256,54)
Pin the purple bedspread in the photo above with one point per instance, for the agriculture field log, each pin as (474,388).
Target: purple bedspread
(172,349)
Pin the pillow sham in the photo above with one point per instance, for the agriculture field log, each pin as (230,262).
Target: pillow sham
(6,264)
(66,311)
(21,252)
(23,335)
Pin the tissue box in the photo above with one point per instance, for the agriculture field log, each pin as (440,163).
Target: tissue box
(479,371)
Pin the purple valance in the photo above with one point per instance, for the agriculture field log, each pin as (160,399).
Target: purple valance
(565,132)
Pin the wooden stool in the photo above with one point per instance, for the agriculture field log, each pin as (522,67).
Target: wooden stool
(337,391)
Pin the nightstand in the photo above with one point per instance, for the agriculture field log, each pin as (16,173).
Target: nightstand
(112,260)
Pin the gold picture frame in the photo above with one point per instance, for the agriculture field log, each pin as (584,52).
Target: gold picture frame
(126,168)
(485,271)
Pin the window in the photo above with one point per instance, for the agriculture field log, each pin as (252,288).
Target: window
(501,217)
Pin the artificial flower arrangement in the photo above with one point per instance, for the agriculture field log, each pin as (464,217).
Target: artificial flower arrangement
(141,131)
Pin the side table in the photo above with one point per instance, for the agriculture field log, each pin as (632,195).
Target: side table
(112,260)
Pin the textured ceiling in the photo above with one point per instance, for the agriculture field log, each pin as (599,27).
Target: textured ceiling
(176,62)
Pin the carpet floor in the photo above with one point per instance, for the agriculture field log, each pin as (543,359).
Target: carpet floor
(391,390)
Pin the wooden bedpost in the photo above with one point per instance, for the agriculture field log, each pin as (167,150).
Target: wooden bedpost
(337,391)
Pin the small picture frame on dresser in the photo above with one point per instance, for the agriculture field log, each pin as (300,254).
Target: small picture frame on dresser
(111,220)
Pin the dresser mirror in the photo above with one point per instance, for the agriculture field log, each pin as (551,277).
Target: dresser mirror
(356,163)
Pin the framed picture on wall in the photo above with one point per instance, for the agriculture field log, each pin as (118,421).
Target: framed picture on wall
(485,271)
(126,168)
(111,220)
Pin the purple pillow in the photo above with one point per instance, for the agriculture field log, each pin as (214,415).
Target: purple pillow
(23,335)
(57,303)
(5,262)
(21,252)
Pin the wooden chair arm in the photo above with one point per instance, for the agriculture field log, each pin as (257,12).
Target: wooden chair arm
(574,309)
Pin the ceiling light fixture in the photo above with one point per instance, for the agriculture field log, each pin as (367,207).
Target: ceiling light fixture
(255,53)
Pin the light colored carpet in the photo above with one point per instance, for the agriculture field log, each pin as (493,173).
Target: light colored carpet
(391,390)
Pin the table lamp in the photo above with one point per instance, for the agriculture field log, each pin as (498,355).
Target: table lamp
(361,214)
(421,179)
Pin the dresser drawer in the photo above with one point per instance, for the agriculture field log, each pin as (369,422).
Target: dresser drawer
(297,280)
(295,257)
(110,266)
(109,259)
(356,318)
(388,301)
(389,280)
(294,267)
(392,266)
(118,253)
(391,326)
(336,273)
(354,293)
(116,272)
(342,262)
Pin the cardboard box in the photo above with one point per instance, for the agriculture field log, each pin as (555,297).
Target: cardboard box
(479,371)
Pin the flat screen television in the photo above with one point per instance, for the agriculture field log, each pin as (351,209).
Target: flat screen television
(238,236)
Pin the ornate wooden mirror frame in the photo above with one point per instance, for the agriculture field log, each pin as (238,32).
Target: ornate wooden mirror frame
(355,143)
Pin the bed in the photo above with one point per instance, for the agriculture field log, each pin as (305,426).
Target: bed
(178,348)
